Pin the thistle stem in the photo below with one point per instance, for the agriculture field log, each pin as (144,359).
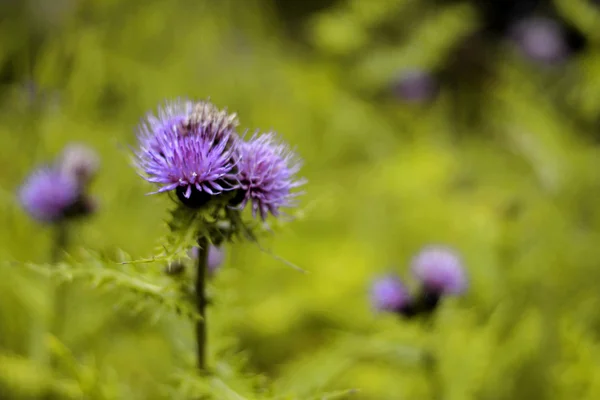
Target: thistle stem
(430,360)
(430,364)
(201,302)
(61,238)
(59,292)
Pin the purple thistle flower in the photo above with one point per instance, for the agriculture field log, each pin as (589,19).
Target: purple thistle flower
(440,270)
(192,148)
(267,170)
(388,293)
(48,195)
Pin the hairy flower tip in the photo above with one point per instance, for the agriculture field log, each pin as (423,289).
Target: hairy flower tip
(267,175)
(49,195)
(79,162)
(216,255)
(192,148)
(388,293)
(440,270)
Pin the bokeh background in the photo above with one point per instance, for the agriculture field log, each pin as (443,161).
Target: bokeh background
(470,123)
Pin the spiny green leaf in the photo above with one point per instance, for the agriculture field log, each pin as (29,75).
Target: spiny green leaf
(103,276)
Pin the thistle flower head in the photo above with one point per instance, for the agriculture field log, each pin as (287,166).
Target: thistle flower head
(388,293)
(440,270)
(267,175)
(190,147)
(48,195)
(79,162)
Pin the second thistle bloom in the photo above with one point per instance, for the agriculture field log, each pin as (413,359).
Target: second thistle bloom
(56,192)
(191,148)
(47,194)
(440,270)
(267,175)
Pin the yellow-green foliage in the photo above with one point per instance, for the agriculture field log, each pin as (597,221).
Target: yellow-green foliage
(516,194)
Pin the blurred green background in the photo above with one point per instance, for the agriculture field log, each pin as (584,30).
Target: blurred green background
(496,155)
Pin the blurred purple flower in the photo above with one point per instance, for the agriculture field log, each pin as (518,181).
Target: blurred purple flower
(267,175)
(216,256)
(541,39)
(48,195)
(388,293)
(416,85)
(191,147)
(440,271)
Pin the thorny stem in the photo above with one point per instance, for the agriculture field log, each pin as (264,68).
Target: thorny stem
(201,302)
